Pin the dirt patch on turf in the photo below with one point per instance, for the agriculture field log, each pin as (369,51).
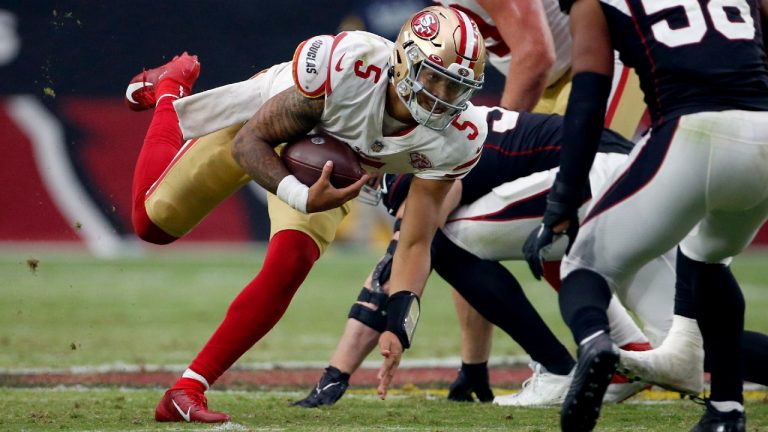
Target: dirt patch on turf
(511,377)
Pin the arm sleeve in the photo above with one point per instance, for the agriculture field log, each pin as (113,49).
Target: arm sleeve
(582,126)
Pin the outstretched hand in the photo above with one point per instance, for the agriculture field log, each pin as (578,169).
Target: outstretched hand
(323,196)
(392,351)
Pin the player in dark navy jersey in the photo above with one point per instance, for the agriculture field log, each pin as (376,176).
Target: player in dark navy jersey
(701,181)
(531,146)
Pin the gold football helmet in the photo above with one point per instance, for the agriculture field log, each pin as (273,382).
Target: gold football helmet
(437,64)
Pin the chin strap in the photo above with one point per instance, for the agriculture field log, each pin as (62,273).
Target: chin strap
(403,312)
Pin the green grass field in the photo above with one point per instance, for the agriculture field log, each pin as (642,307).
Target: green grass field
(159,309)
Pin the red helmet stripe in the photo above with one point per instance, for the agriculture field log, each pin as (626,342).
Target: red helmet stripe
(469,46)
(493,40)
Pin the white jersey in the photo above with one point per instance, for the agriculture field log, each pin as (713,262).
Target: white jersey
(351,71)
(498,51)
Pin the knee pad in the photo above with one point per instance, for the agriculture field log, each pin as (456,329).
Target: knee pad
(375,319)
(383,269)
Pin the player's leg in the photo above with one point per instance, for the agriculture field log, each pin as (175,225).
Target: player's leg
(476,336)
(297,241)
(366,321)
(650,296)
(495,226)
(719,303)
(736,184)
(755,346)
(625,111)
(625,332)
(642,215)
(678,362)
(737,198)
(356,342)
(495,293)
(158,88)
(175,186)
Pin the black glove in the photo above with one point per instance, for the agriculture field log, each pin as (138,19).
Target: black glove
(563,204)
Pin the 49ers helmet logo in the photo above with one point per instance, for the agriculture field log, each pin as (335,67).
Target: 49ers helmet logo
(425,25)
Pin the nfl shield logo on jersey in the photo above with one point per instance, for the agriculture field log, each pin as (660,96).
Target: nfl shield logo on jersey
(377,146)
(419,161)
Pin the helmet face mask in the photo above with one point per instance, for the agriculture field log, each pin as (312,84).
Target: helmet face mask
(433,88)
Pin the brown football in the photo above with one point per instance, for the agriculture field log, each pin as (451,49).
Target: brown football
(306,156)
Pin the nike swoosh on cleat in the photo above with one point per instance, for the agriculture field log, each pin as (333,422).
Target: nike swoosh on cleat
(328,386)
(132,88)
(184,415)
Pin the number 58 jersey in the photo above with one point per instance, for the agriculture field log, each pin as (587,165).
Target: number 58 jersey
(351,70)
(691,55)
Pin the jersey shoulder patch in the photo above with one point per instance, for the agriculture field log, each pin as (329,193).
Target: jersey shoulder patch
(310,65)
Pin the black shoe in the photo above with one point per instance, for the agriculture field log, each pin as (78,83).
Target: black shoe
(718,421)
(462,388)
(331,388)
(598,360)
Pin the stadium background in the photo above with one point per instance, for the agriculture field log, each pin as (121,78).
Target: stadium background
(68,142)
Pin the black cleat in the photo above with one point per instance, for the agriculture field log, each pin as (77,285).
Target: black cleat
(330,389)
(598,360)
(718,421)
(462,388)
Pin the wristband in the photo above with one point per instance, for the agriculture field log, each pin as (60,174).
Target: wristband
(293,192)
(403,312)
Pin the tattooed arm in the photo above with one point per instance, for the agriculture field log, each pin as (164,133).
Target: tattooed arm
(286,116)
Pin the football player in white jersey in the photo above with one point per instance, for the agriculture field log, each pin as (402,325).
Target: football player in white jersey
(403,107)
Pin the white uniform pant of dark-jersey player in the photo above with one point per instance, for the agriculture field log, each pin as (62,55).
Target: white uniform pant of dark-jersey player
(701,181)
(495,226)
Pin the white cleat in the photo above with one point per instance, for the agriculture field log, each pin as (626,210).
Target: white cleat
(677,364)
(543,388)
(618,392)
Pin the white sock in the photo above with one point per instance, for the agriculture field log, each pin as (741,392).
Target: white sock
(624,330)
(727,406)
(189,373)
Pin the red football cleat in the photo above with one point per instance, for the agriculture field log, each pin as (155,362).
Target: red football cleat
(179,405)
(178,76)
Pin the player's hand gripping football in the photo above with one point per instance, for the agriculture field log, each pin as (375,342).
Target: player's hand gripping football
(560,217)
(323,196)
(392,351)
